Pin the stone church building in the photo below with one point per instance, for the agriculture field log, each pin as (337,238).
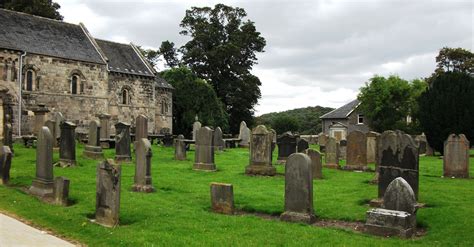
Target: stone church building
(59,66)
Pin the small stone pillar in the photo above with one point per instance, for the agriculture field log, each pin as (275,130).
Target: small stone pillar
(204,155)
(218,140)
(196,127)
(108,193)
(67,146)
(260,153)
(92,149)
(456,156)
(143,167)
(43,183)
(179,148)
(316,164)
(61,191)
(5,164)
(141,127)
(40,117)
(222,198)
(123,153)
(298,190)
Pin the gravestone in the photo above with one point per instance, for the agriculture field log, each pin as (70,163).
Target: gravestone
(456,156)
(5,164)
(58,118)
(196,126)
(40,111)
(204,155)
(372,138)
(179,148)
(104,138)
(274,140)
(261,153)
(141,129)
(8,132)
(332,153)
(316,163)
(43,183)
(322,139)
(219,143)
(143,167)
(397,157)
(92,149)
(244,135)
(51,124)
(356,151)
(67,146)
(342,149)
(222,198)
(398,215)
(420,140)
(108,193)
(167,140)
(286,146)
(123,152)
(61,191)
(429,150)
(298,190)
(302,145)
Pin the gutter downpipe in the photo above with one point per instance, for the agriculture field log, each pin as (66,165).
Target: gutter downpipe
(20,77)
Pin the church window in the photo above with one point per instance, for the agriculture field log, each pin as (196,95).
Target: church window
(125,97)
(29,80)
(74,84)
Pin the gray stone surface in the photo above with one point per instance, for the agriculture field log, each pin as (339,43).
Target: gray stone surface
(92,149)
(302,145)
(332,153)
(108,193)
(67,146)
(219,143)
(204,155)
(43,183)
(420,140)
(40,117)
(298,190)
(143,167)
(456,156)
(385,222)
(5,164)
(61,191)
(316,163)
(179,148)
(261,153)
(141,127)
(372,138)
(58,118)
(400,196)
(356,157)
(104,137)
(322,139)
(286,145)
(51,124)
(123,152)
(342,149)
(222,198)
(196,126)
(244,135)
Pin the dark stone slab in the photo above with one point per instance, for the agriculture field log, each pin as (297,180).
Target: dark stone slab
(67,145)
(222,198)
(123,153)
(302,145)
(108,193)
(286,145)
(356,156)
(204,155)
(43,183)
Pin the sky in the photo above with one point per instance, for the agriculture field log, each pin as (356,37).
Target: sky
(318,52)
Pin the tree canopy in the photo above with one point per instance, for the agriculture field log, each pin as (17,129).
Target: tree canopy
(44,8)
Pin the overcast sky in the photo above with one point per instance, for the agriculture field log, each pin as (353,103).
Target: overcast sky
(317,53)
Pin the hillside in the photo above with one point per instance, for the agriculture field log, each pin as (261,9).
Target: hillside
(307,118)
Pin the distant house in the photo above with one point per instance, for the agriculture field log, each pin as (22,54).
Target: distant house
(340,122)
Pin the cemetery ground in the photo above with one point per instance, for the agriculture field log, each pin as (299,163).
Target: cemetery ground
(178,213)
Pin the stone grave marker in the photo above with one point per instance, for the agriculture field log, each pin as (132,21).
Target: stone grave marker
(456,156)
(204,155)
(43,183)
(244,135)
(420,140)
(143,167)
(219,143)
(67,145)
(316,163)
(61,191)
(222,198)
(332,153)
(298,190)
(108,193)
(286,146)
(302,145)
(179,148)
(51,124)
(356,151)
(196,126)
(322,139)
(141,129)
(372,138)
(261,153)
(58,118)
(104,138)
(123,153)
(5,164)
(92,149)
(342,149)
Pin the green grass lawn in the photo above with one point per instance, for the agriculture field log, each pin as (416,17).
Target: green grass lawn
(178,213)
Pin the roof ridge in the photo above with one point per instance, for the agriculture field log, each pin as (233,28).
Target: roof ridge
(110,41)
(37,16)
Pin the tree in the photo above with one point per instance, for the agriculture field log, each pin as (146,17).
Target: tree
(169,53)
(284,123)
(44,8)
(386,102)
(151,56)
(193,96)
(222,50)
(447,107)
(454,60)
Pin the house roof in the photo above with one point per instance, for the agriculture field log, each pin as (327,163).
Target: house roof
(123,58)
(33,34)
(160,82)
(341,112)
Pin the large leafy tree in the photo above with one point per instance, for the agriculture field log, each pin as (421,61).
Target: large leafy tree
(193,97)
(386,102)
(447,107)
(169,53)
(222,50)
(454,60)
(44,8)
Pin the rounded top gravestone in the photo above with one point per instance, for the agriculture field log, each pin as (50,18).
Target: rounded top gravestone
(400,196)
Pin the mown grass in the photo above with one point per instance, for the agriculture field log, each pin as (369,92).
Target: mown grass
(178,213)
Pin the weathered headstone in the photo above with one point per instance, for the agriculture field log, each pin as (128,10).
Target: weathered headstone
(372,138)
(322,139)
(143,167)
(298,190)
(342,149)
(456,156)
(332,154)
(40,117)
(104,119)
(219,143)
(58,118)
(397,157)
(141,129)
(204,155)
(51,124)
(261,153)
(5,164)
(244,135)
(222,198)
(421,142)
(179,148)
(398,215)
(92,149)
(356,151)
(302,145)
(316,163)
(108,193)
(123,152)
(429,150)
(61,191)
(286,146)
(196,126)
(67,146)
(43,184)
(167,140)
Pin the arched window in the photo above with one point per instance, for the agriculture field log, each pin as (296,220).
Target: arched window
(29,80)
(125,97)
(74,81)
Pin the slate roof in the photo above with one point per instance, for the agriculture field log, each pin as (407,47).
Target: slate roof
(160,82)
(341,112)
(33,34)
(122,58)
